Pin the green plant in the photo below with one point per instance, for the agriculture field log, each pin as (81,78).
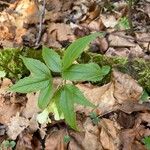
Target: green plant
(11,65)
(7,144)
(61,101)
(67,139)
(95,119)
(123,23)
(146,141)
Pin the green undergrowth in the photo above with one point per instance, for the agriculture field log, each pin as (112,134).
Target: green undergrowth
(11,63)
(139,69)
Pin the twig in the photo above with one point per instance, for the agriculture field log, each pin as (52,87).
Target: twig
(40,25)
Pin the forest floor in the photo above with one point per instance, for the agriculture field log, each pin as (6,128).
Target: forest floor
(122,119)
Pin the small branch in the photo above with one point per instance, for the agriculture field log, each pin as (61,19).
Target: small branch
(40,25)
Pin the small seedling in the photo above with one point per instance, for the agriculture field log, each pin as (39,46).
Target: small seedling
(146,141)
(66,95)
(123,23)
(67,139)
(7,144)
(95,119)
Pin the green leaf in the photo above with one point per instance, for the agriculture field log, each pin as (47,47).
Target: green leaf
(146,141)
(52,59)
(12,144)
(105,70)
(123,23)
(36,66)
(67,139)
(69,96)
(5,143)
(84,72)
(67,107)
(76,48)
(56,100)
(30,84)
(95,119)
(45,96)
(78,96)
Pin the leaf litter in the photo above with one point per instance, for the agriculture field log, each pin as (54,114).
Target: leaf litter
(123,120)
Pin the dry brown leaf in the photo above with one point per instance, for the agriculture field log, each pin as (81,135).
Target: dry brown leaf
(87,140)
(57,32)
(122,89)
(145,117)
(24,141)
(31,107)
(109,21)
(122,52)
(53,10)
(101,96)
(129,137)
(134,107)
(119,39)
(104,44)
(7,102)
(144,40)
(12,23)
(126,88)
(136,51)
(55,140)
(28,141)
(7,110)
(16,125)
(109,134)
(63,31)
(125,120)
(95,13)
(94,25)
(28,12)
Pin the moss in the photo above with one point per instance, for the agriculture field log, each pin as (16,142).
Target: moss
(11,63)
(138,68)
